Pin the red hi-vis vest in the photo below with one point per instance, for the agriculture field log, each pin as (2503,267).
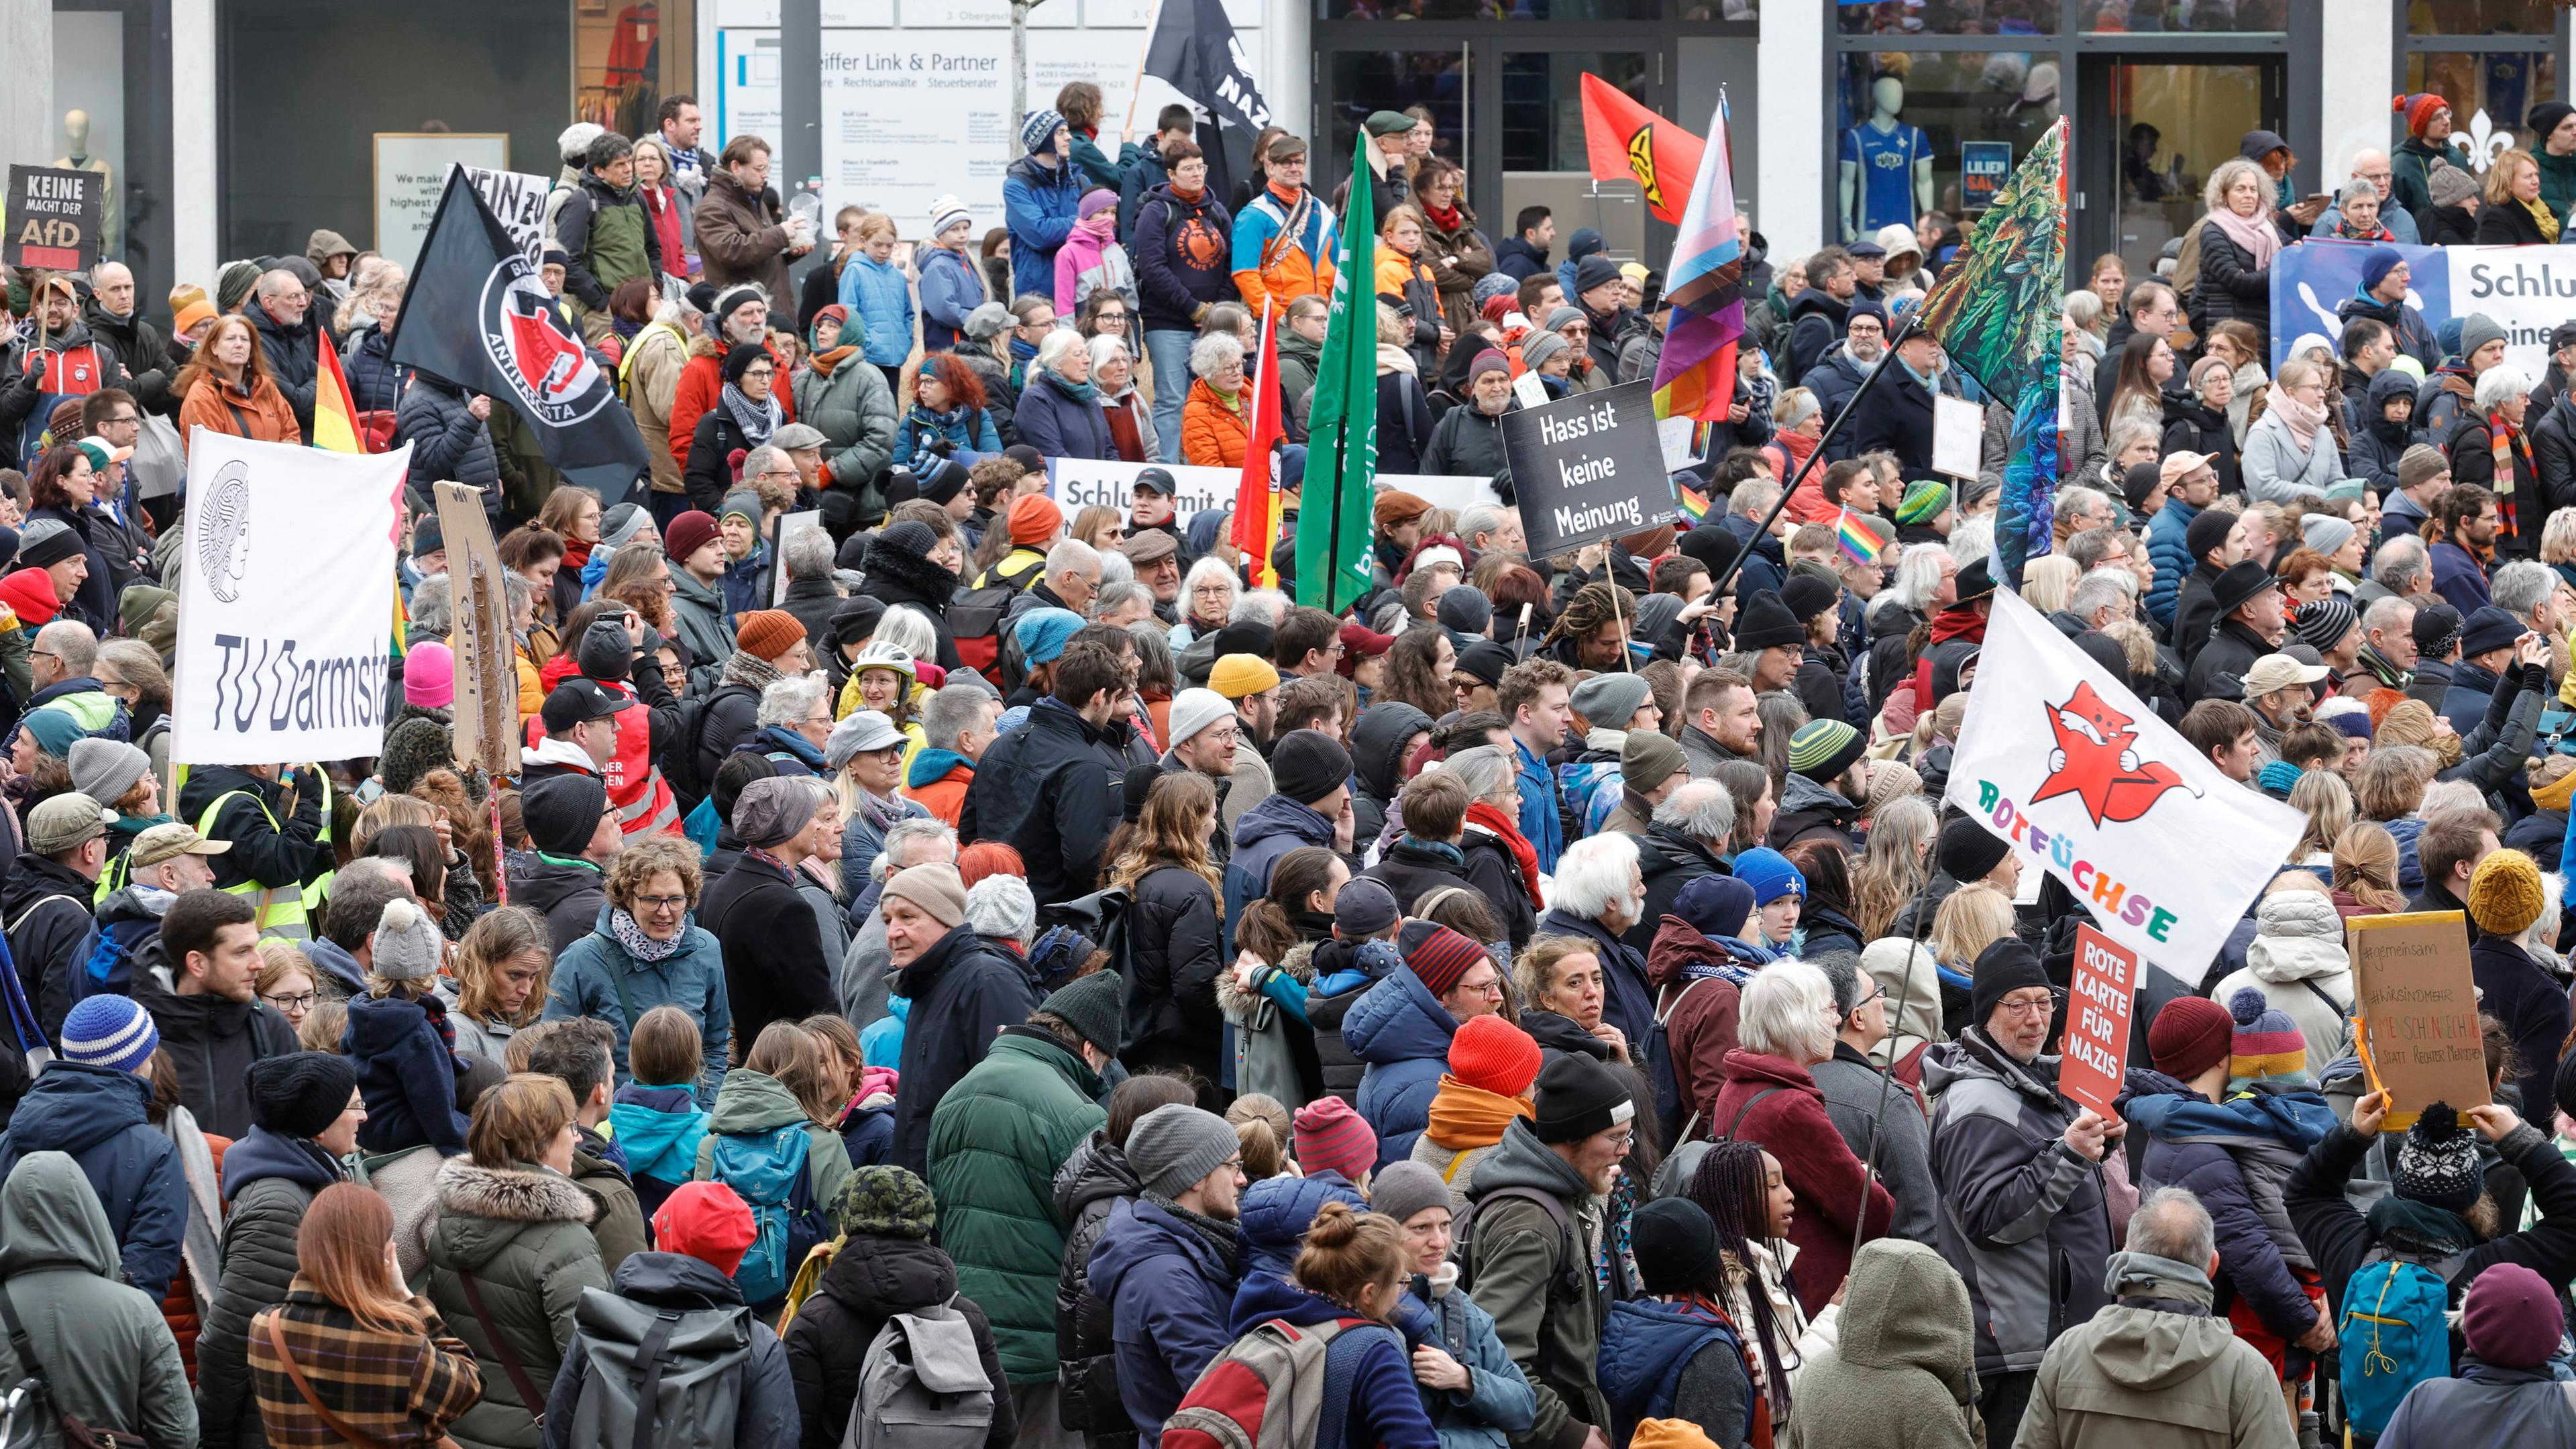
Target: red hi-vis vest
(641,797)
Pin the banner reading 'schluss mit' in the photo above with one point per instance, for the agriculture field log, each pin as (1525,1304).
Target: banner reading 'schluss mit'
(2065,763)
(274,664)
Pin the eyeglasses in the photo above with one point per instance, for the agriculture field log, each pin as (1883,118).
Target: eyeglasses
(662,903)
(2030,1005)
(300,1001)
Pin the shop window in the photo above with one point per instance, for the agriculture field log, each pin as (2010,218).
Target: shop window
(2490,92)
(1906,123)
(2481,17)
(1552,10)
(627,55)
(2181,17)
(1947,17)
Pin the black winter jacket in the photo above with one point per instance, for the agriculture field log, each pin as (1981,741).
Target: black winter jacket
(212,1040)
(896,577)
(963,990)
(869,1281)
(139,348)
(1174,956)
(1466,443)
(375,379)
(46,905)
(2340,1238)
(1051,790)
(2192,426)
(2231,286)
(1496,876)
(775,968)
(449,443)
(268,1183)
(570,896)
(1093,1180)
(2553,452)
(709,475)
(294,357)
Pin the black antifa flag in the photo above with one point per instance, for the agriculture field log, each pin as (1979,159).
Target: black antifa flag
(478,316)
(1193,47)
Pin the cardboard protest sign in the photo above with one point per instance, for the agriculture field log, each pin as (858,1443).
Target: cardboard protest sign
(1588,468)
(487,658)
(518,201)
(264,676)
(55,218)
(2418,1030)
(2105,990)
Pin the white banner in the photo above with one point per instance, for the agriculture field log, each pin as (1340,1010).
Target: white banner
(1078,483)
(285,605)
(2083,780)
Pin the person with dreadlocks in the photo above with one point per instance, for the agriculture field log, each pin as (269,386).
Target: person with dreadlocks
(1748,1199)
(1677,1352)
(1593,631)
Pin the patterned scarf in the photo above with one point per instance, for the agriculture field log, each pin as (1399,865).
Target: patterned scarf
(2513,462)
(745,668)
(1508,831)
(881,812)
(757,419)
(631,937)
(1736,963)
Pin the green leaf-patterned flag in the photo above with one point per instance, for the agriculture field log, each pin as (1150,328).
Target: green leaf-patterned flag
(1341,424)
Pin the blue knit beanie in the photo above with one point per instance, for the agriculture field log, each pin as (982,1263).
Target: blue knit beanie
(110,1031)
(1770,874)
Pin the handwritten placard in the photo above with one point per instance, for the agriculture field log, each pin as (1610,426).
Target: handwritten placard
(2420,1005)
(2103,993)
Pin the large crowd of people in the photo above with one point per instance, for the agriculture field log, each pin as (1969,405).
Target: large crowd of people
(973,973)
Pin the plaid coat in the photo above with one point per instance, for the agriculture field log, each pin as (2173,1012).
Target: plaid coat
(398,1389)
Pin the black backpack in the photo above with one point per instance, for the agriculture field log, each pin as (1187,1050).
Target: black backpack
(680,752)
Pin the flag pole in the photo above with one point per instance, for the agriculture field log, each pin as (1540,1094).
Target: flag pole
(1904,332)
(1136,87)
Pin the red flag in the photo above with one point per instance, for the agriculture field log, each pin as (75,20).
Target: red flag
(1256,498)
(1626,142)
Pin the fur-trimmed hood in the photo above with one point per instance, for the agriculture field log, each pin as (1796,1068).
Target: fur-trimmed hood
(912,572)
(1235,1001)
(481,1209)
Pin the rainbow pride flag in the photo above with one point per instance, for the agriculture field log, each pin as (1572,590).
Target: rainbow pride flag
(1694,505)
(1859,542)
(1695,377)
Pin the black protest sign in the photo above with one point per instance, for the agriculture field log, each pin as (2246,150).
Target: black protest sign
(1589,468)
(55,216)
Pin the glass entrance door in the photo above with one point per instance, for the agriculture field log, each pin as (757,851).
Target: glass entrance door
(2171,123)
(1543,162)
(1423,82)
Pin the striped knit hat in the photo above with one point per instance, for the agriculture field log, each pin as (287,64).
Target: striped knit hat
(1437,954)
(110,1031)
(1822,749)
(1332,1137)
(1923,502)
(2267,1045)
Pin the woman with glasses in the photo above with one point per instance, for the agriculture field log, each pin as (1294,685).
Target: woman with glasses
(746,414)
(287,982)
(649,951)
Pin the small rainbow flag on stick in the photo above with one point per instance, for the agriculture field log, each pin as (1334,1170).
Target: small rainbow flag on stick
(1860,542)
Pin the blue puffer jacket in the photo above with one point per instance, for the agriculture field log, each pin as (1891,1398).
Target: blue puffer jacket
(1170,1297)
(951,288)
(97,1115)
(452,444)
(375,379)
(1038,205)
(1270,1226)
(968,431)
(1645,1346)
(1380,1406)
(877,294)
(1500,1402)
(692,979)
(2235,1157)
(1402,1031)
(659,1128)
(1270,829)
(2171,554)
(406,1074)
(1057,422)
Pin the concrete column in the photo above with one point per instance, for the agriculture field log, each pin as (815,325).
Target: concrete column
(1792,215)
(196,178)
(1288,50)
(27,117)
(2358,58)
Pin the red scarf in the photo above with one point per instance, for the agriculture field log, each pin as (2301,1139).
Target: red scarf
(1958,621)
(576,553)
(2513,463)
(1445,220)
(1192,197)
(1483,813)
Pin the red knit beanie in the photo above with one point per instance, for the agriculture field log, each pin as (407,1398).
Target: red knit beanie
(2419,110)
(707,1221)
(1439,956)
(1331,1137)
(1492,1055)
(2191,1035)
(687,534)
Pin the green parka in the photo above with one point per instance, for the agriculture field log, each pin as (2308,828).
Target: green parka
(996,1139)
(854,408)
(524,1233)
(103,1346)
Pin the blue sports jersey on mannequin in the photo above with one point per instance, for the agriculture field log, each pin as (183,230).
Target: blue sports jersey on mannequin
(1886,161)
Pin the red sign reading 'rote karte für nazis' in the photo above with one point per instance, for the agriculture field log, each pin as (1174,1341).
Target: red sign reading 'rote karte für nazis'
(2097,1020)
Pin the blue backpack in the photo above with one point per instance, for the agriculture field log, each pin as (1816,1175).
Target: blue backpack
(107,968)
(2395,1334)
(768,1170)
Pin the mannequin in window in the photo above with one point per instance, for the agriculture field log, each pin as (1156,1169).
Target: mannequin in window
(1886,164)
(112,223)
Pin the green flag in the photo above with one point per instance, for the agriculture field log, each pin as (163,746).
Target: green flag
(1341,424)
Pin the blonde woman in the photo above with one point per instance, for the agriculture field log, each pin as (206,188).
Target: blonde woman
(499,981)
(2323,797)
(1973,918)
(2514,214)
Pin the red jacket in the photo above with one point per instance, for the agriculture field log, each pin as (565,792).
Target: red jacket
(1792,1126)
(1699,1021)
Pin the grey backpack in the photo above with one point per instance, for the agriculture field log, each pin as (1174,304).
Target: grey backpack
(922,1385)
(658,1378)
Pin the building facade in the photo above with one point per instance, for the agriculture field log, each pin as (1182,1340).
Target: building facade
(288,115)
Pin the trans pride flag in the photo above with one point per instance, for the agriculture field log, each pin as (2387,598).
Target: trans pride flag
(1696,376)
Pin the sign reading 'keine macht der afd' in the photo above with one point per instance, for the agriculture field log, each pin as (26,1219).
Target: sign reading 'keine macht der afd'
(1588,468)
(2103,992)
(54,218)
